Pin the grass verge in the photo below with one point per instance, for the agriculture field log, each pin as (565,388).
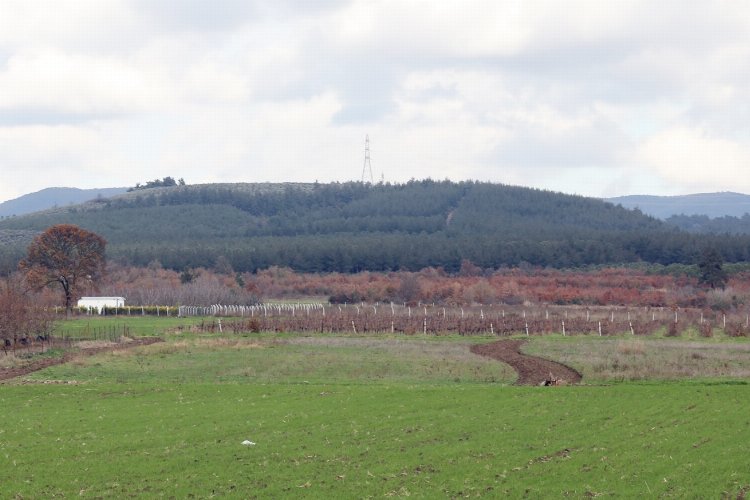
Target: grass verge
(627,358)
(264,359)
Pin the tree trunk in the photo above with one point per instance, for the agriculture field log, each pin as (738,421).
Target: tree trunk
(68,297)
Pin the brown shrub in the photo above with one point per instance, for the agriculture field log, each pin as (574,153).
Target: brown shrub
(635,347)
(672,329)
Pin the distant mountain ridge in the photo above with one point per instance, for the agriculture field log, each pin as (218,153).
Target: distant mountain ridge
(52,197)
(712,205)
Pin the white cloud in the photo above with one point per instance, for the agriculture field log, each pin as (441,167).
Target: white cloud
(696,160)
(50,79)
(583,96)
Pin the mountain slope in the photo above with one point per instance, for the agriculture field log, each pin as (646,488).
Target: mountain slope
(353,226)
(708,204)
(51,197)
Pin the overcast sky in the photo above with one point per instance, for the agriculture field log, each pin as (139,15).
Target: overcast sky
(601,98)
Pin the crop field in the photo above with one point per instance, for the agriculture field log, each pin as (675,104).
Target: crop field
(377,415)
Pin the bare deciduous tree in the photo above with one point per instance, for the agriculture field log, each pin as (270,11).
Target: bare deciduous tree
(64,254)
(19,318)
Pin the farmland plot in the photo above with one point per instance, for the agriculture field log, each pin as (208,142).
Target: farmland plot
(169,419)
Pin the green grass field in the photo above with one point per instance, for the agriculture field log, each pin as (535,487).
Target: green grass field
(372,417)
(89,327)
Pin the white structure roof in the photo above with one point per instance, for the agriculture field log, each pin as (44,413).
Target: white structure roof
(100,302)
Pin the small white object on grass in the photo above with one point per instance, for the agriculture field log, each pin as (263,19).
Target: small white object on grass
(247,442)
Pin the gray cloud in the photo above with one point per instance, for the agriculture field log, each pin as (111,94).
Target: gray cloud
(226,15)
(594,147)
(25,116)
(203,15)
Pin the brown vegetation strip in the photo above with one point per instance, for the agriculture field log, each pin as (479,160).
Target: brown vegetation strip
(531,370)
(40,364)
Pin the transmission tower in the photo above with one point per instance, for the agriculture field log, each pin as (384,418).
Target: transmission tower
(367,167)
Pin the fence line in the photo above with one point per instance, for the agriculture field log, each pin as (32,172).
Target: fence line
(493,320)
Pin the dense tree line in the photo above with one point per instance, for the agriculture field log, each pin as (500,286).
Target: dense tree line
(702,224)
(350,227)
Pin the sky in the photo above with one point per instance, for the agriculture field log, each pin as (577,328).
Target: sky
(587,97)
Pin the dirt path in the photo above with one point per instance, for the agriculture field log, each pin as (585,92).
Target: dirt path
(531,370)
(40,364)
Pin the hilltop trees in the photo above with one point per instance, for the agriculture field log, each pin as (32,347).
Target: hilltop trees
(165,182)
(64,254)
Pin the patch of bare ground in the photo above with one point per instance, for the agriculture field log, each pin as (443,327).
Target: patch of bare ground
(531,369)
(28,381)
(26,367)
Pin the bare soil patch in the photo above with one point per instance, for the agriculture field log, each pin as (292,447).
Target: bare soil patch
(531,369)
(40,364)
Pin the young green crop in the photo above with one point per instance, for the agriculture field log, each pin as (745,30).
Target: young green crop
(355,417)
(354,440)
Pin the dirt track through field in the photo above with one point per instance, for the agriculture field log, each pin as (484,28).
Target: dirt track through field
(40,364)
(531,370)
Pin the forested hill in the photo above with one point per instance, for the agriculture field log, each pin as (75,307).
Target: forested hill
(704,224)
(353,226)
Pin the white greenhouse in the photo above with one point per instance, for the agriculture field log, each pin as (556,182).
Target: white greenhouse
(99,303)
